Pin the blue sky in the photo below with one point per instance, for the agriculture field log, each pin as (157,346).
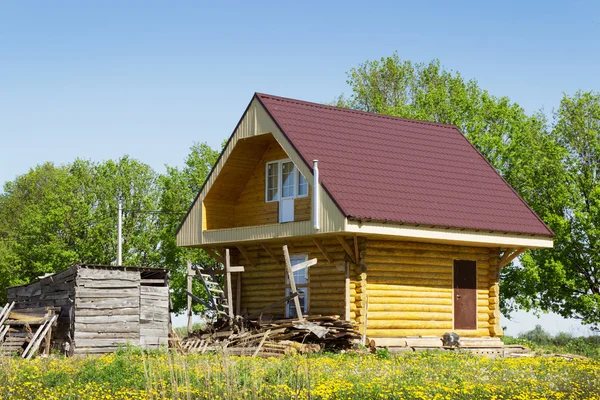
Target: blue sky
(98,80)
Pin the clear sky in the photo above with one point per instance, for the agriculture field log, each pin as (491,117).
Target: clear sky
(97,80)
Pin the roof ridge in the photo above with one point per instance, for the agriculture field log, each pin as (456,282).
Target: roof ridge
(352,111)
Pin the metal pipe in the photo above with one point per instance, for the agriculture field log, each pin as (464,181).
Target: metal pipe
(316,203)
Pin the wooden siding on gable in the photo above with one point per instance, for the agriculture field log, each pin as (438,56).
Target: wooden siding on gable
(201,226)
(251,209)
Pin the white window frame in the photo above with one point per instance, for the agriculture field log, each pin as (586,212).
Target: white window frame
(279,196)
(290,305)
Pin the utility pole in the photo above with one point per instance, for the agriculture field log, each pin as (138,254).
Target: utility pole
(120,236)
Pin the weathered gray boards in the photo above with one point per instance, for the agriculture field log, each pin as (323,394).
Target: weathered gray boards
(102,307)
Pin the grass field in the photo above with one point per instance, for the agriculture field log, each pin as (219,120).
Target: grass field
(132,374)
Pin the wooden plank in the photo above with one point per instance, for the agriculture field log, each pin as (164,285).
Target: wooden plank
(104,293)
(189,298)
(288,267)
(323,251)
(246,255)
(238,294)
(96,304)
(272,254)
(506,259)
(304,265)
(228,283)
(261,343)
(346,248)
(356,253)
(106,319)
(37,338)
(214,255)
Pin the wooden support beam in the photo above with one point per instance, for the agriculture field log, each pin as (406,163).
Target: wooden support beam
(323,251)
(190,275)
(304,265)
(214,255)
(228,282)
(288,267)
(272,255)
(508,256)
(272,305)
(246,255)
(356,248)
(347,291)
(238,295)
(347,248)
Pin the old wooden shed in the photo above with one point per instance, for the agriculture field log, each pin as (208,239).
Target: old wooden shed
(102,307)
(409,223)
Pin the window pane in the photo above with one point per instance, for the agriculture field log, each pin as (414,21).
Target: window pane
(302,185)
(288,179)
(272,182)
(291,306)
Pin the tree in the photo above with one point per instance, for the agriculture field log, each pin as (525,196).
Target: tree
(53,217)
(566,279)
(178,189)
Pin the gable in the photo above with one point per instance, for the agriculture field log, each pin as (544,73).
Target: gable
(237,167)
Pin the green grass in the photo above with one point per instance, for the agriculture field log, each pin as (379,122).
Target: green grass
(134,374)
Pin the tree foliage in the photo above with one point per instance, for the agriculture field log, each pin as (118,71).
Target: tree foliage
(55,216)
(553,166)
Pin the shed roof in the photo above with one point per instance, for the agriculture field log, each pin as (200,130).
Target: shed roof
(382,168)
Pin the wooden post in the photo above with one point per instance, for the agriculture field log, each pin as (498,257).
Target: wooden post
(238,295)
(347,287)
(288,267)
(228,283)
(189,298)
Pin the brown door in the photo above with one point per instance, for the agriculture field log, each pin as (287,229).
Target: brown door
(465,294)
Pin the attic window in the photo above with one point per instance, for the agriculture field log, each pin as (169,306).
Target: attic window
(284,181)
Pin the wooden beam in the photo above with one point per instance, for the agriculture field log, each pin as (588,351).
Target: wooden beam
(272,255)
(356,248)
(228,282)
(507,257)
(272,305)
(190,274)
(214,255)
(347,248)
(323,251)
(246,255)
(288,267)
(304,265)
(238,294)
(347,291)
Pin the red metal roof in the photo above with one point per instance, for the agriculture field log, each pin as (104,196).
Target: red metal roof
(382,168)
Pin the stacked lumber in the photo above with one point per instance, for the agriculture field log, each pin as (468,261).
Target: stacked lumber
(274,338)
(23,331)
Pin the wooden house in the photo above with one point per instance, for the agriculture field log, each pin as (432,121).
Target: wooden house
(409,222)
(102,307)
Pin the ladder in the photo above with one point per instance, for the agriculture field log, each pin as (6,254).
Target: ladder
(217,301)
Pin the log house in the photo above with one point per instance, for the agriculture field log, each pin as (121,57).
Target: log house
(408,221)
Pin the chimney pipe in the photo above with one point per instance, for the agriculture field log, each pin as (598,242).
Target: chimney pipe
(316,203)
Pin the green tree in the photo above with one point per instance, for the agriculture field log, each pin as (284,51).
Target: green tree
(566,279)
(179,187)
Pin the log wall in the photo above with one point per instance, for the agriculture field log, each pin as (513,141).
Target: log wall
(264,283)
(409,289)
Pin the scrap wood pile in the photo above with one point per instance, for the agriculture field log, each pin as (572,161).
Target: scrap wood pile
(274,337)
(22,331)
